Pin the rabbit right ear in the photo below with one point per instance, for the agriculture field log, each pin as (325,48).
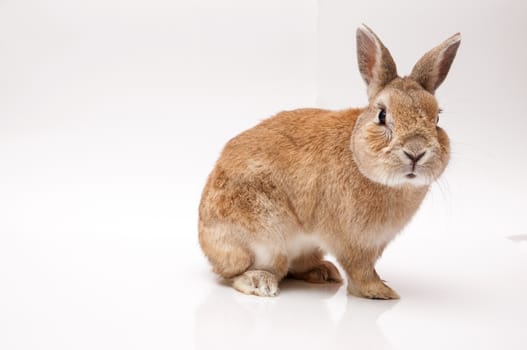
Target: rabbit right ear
(376,64)
(432,68)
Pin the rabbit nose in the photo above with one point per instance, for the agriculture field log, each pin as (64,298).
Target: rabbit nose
(414,158)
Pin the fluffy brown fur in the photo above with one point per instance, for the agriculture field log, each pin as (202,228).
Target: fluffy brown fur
(311,181)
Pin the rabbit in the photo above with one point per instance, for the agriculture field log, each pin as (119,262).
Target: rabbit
(308,182)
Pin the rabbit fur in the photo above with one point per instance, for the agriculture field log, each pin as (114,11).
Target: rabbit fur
(308,182)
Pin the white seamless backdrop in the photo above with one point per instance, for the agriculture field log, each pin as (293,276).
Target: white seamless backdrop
(112,114)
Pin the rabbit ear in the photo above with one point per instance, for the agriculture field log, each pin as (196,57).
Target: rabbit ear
(432,68)
(376,64)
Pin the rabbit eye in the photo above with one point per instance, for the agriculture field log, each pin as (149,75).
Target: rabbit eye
(382,116)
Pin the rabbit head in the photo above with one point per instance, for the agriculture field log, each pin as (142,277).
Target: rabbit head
(396,140)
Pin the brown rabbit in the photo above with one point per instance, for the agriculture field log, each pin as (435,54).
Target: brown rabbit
(311,181)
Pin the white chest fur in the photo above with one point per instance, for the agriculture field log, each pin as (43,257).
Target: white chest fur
(292,247)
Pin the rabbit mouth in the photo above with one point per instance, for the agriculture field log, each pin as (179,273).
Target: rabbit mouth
(411,176)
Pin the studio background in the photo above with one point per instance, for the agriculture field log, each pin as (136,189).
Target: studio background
(112,114)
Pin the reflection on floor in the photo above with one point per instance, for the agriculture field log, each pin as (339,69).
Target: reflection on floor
(475,301)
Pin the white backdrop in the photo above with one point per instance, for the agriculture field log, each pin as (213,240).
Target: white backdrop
(112,113)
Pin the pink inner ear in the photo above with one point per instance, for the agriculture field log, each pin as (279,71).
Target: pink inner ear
(446,61)
(367,56)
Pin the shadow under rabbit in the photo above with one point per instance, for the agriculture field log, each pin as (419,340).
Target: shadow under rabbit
(299,315)
(291,285)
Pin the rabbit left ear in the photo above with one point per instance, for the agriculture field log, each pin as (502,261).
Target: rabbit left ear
(376,64)
(433,67)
